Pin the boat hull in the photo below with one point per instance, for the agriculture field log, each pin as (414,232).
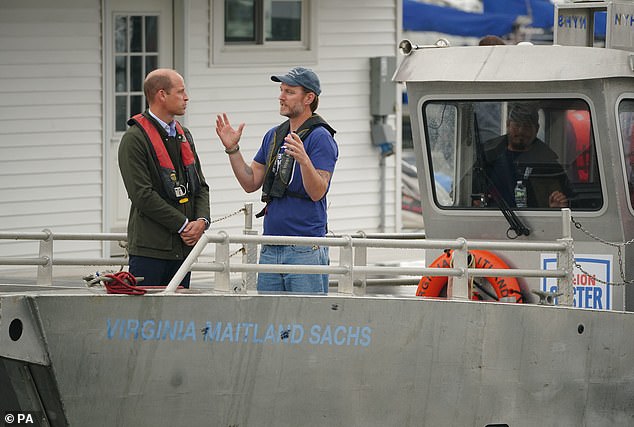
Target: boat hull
(263,360)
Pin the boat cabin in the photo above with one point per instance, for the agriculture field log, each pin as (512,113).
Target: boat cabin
(505,136)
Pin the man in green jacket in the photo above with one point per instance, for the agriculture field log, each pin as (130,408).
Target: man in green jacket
(162,175)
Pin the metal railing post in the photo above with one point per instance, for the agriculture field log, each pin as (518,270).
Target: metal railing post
(458,288)
(346,283)
(250,254)
(187,264)
(361,259)
(45,272)
(566,261)
(222,278)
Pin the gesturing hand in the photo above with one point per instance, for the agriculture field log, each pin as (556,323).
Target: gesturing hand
(295,147)
(227,134)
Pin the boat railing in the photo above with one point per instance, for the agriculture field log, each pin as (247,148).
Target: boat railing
(45,260)
(352,268)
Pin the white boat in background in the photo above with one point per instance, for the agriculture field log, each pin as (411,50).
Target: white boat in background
(559,353)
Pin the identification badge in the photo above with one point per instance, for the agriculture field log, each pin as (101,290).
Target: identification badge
(180,191)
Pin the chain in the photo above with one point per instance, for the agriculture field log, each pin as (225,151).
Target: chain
(237,251)
(228,216)
(241,249)
(619,249)
(124,244)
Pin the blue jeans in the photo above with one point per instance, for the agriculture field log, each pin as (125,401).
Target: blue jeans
(293,282)
(156,272)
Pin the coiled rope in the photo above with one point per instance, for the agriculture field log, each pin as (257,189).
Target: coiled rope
(122,283)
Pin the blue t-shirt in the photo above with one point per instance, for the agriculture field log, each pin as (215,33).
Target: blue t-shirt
(298,216)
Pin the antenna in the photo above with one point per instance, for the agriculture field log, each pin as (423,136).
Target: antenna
(407,46)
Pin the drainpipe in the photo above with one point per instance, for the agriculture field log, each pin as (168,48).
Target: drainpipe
(383,138)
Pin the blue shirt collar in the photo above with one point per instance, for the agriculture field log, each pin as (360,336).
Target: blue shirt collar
(169,128)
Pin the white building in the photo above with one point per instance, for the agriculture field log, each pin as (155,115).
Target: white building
(71,70)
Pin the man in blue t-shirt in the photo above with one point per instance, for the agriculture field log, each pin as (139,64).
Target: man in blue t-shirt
(293,167)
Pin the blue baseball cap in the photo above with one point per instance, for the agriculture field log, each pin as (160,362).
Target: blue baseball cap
(300,76)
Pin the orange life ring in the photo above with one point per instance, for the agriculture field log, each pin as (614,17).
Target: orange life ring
(431,286)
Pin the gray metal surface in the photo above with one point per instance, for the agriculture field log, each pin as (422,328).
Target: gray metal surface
(258,360)
(518,63)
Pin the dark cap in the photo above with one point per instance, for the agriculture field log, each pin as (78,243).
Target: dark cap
(300,76)
(524,113)
(491,41)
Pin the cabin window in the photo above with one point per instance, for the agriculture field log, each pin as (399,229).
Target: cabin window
(536,154)
(263,31)
(135,55)
(626,125)
(442,133)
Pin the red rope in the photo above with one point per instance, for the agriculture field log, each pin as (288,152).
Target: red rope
(122,283)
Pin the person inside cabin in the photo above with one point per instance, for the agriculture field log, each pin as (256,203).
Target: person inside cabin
(164,181)
(293,166)
(520,165)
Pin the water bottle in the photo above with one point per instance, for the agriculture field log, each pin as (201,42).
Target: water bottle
(520,194)
(286,167)
(283,170)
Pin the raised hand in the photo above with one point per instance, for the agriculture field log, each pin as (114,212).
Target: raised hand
(227,134)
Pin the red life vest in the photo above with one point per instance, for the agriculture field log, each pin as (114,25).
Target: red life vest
(174,189)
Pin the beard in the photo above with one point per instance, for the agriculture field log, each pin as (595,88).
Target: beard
(290,111)
(519,143)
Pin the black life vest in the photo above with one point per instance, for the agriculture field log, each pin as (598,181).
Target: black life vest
(174,188)
(275,185)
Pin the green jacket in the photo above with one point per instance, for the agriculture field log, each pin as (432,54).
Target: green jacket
(154,219)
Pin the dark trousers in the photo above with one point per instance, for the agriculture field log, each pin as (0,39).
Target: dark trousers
(156,272)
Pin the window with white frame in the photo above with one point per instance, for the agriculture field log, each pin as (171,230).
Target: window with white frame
(263,31)
(473,168)
(135,55)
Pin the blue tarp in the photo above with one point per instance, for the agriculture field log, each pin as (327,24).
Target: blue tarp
(426,17)
(497,19)
(542,12)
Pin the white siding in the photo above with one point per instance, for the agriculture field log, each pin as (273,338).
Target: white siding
(50,120)
(350,33)
(51,148)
